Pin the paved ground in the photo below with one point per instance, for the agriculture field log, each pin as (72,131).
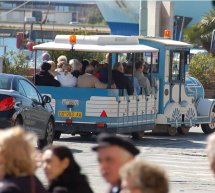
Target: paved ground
(183,157)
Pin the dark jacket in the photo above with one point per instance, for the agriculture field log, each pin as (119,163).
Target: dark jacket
(122,82)
(24,184)
(103,75)
(70,182)
(44,78)
(76,73)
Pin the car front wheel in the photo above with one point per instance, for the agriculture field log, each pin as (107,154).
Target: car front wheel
(49,136)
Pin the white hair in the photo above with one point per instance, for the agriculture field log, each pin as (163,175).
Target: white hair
(89,69)
(62,58)
(76,65)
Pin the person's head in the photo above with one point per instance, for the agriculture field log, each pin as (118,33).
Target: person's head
(84,64)
(76,65)
(57,160)
(53,65)
(95,63)
(139,176)
(129,69)
(45,66)
(62,58)
(119,67)
(46,56)
(146,68)
(211,151)
(60,64)
(66,68)
(139,66)
(17,152)
(112,153)
(89,69)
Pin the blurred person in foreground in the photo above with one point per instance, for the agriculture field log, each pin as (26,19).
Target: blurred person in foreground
(139,176)
(63,172)
(112,153)
(17,162)
(210,148)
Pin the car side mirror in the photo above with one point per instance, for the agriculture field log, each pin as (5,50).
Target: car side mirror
(46,99)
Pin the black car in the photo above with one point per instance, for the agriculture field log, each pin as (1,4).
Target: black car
(22,104)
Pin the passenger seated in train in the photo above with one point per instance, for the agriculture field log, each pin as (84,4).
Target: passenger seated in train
(122,81)
(96,66)
(128,73)
(151,78)
(62,58)
(44,78)
(65,77)
(45,57)
(143,81)
(103,73)
(76,67)
(87,80)
(53,68)
(103,70)
(59,66)
(85,63)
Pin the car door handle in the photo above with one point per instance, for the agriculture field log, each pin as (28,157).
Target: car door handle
(18,103)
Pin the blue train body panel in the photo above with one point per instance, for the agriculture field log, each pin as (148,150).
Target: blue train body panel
(90,109)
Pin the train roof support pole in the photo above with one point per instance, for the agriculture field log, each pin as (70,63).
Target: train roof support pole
(143,18)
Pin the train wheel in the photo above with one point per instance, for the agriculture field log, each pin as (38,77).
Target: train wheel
(183,130)
(57,135)
(210,127)
(172,131)
(86,134)
(137,135)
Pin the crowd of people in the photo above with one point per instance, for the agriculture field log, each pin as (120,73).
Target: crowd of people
(117,161)
(92,74)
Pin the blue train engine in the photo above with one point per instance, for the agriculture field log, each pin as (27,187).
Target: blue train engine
(181,97)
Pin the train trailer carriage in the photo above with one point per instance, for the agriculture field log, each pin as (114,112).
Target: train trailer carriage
(175,104)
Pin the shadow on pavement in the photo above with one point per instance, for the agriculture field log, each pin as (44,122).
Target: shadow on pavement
(191,140)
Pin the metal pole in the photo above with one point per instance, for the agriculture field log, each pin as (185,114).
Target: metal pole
(143,18)
(35,64)
(182,27)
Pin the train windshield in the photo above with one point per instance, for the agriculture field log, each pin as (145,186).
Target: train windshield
(179,59)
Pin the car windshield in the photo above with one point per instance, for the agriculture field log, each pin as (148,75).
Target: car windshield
(5,82)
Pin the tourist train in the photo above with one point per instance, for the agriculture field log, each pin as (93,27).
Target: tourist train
(174,106)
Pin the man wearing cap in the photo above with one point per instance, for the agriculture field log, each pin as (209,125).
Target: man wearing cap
(112,153)
(44,78)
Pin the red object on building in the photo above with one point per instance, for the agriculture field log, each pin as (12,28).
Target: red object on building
(19,39)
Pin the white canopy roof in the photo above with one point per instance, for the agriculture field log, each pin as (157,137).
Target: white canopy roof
(168,42)
(96,43)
